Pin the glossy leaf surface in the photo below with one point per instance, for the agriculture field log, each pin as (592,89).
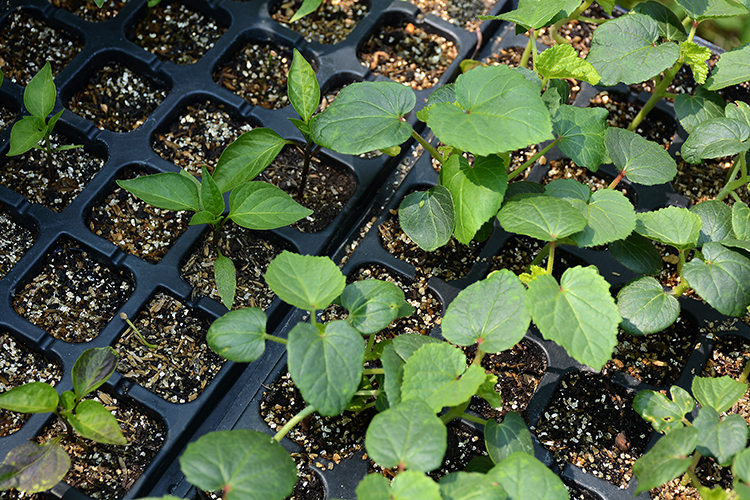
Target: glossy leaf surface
(643,161)
(93,421)
(732,68)
(645,307)
(581,132)
(259,205)
(373,304)
(92,369)
(720,393)
(664,414)
(304,281)
(542,217)
(33,467)
(247,157)
(637,253)
(672,226)
(720,438)
(239,335)
(693,110)
(34,397)
(169,191)
(611,217)
(722,280)
(669,458)
(714,138)
(505,438)
(427,217)
(304,91)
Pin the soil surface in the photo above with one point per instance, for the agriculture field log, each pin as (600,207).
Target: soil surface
(331,23)
(462,13)
(89,11)
(519,252)
(705,180)
(15,240)
(566,169)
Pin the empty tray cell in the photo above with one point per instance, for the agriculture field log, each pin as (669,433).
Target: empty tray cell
(15,240)
(73,296)
(88,10)
(331,23)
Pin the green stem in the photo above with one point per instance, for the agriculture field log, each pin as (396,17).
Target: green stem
(137,332)
(745,373)
(434,152)
(472,418)
(732,185)
(540,256)
(370,343)
(292,422)
(670,95)
(691,470)
(531,160)
(617,180)
(366,407)
(51,172)
(455,412)
(551,259)
(374,392)
(308,154)
(534,50)
(659,92)
(693,29)
(373,371)
(680,263)
(272,338)
(681,288)
(591,20)
(478,357)
(554,31)
(526,53)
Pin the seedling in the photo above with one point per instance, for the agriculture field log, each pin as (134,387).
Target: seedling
(125,318)
(32,467)
(39,99)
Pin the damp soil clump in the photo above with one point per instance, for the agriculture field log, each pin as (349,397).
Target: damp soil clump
(331,23)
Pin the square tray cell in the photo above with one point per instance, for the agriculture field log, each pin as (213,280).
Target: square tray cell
(331,23)
(462,13)
(73,296)
(88,10)
(15,240)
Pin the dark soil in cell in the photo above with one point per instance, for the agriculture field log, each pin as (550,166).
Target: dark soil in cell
(26,43)
(590,423)
(729,356)
(258,74)
(27,174)
(73,297)
(88,10)
(20,365)
(575,492)
(182,365)
(176,34)
(705,180)
(309,485)
(462,13)
(331,23)
(14,241)
(578,33)
(407,54)
(327,188)
(198,137)
(7,117)
(519,251)
(117,99)
(135,226)
(251,253)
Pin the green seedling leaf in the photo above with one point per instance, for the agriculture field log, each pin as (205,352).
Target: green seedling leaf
(637,254)
(307,7)
(394,358)
(700,10)
(304,281)
(490,313)
(40,94)
(557,94)
(259,205)
(537,13)
(693,110)
(643,161)
(716,221)
(326,365)
(408,485)
(664,414)
(696,56)
(34,467)
(245,464)
(67,400)
(496,110)
(669,458)
(25,135)
(738,110)
(741,468)
(239,335)
(373,304)
(169,191)
(626,50)
(523,477)
(510,436)
(34,397)
(715,138)
(669,25)
(481,465)
(674,226)
(92,369)
(437,374)
(225,275)
(720,393)
(581,133)
(542,217)
(645,307)
(445,94)
(470,486)
(722,280)
(721,438)
(247,157)
(568,189)
(427,217)
(740,220)
(204,217)
(578,313)
(561,61)
(365,116)
(523,187)
(93,421)
(487,391)
(732,68)
(477,191)
(408,434)
(611,217)
(304,91)
(211,199)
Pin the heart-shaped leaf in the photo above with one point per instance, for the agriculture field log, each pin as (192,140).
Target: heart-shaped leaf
(669,458)
(644,161)
(92,369)
(239,335)
(581,133)
(674,226)
(394,358)
(714,138)
(507,437)
(720,438)
(645,307)
(637,254)
(693,110)
(470,486)
(259,205)
(722,280)
(732,68)
(716,221)
(373,304)
(427,217)
(305,281)
(611,217)
(664,414)
(33,467)
(523,477)
(542,217)
(720,393)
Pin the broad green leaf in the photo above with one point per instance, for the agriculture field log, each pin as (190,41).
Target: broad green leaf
(372,304)
(611,217)
(581,133)
(716,221)
(523,187)
(625,50)
(440,94)
(225,276)
(644,161)
(722,280)
(674,226)
(720,393)
(408,434)
(740,220)
(578,313)
(25,135)
(562,61)
(637,254)
(664,414)
(722,438)
(537,13)
(246,157)
(707,9)
(427,217)
(693,110)
(470,486)
(92,369)
(259,205)
(568,189)
(437,374)
(505,438)
(667,22)
(523,477)
(408,485)
(490,313)
(542,217)
(247,465)
(496,110)
(211,198)
(645,307)
(365,116)
(68,400)
(488,392)
(738,110)
(93,421)
(304,281)
(34,467)
(34,397)
(303,88)
(696,56)
(741,467)
(169,191)
(394,358)
(204,217)
(239,335)
(477,191)
(326,365)
(669,458)
(40,94)
(714,138)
